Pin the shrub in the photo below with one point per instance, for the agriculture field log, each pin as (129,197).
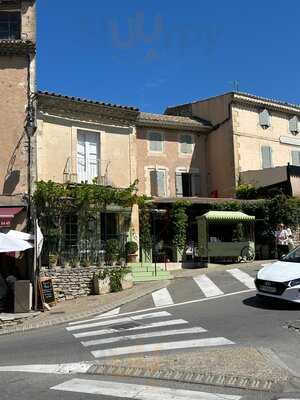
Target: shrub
(131,247)
(112,250)
(115,274)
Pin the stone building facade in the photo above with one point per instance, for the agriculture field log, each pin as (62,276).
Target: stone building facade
(17,113)
(249,133)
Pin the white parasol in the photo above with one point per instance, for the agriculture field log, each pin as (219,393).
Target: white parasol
(8,244)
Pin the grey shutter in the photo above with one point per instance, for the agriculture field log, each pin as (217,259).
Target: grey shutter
(264,119)
(266,155)
(196,185)
(178,182)
(296,157)
(156,141)
(293,124)
(161,183)
(153,183)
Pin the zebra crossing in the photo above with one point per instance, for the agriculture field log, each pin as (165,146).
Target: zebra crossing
(136,391)
(149,332)
(206,287)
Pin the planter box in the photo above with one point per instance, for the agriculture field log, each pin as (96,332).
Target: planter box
(101,286)
(127,281)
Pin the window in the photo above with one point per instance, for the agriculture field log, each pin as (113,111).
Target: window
(87,156)
(266,157)
(295,157)
(156,142)
(10,25)
(294,125)
(70,231)
(264,119)
(158,183)
(186,144)
(187,184)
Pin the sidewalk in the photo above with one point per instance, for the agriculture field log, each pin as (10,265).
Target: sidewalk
(73,310)
(240,367)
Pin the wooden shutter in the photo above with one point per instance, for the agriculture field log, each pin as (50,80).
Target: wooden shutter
(178,182)
(264,119)
(296,157)
(196,184)
(161,183)
(293,124)
(266,155)
(153,183)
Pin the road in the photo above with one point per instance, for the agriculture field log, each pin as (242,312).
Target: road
(219,309)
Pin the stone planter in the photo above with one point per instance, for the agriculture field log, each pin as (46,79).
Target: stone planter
(101,286)
(127,281)
(131,258)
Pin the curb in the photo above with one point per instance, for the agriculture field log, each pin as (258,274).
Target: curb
(205,378)
(85,314)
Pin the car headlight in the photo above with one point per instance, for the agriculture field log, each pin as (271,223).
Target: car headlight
(294,282)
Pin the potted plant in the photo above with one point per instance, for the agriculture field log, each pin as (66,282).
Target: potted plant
(74,262)
(126,278)
(53,259)
(86,263)
(112,250)
(131,248)
(101,281)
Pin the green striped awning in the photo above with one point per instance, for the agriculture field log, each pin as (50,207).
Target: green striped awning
(227,216)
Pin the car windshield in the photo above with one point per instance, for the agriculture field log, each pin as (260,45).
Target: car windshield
(293,256)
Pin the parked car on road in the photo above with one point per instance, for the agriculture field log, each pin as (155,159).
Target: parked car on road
(281,279)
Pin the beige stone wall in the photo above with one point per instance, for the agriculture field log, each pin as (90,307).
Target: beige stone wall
(220,158)
(13,101)
(249,136)
(170,159)
(28,9)
(57,145)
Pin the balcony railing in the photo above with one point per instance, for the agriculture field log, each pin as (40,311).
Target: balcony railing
(85,170)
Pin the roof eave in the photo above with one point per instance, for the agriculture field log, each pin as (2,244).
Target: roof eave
(172,125)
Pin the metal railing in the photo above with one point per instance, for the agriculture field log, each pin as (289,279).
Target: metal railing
(81,170)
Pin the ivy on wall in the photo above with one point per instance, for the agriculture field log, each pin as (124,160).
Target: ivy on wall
(179,220)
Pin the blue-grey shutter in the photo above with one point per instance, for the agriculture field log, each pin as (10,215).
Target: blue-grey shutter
(296,157)
(155,141)
(264,119)
(186,144)
(196,184)
(153,183)
(266,155)
(161,185)
(293,124)
(178,182)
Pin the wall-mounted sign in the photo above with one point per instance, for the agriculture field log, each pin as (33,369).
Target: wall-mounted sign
(290,140)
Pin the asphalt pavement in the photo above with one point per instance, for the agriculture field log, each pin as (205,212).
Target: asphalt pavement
(213,313)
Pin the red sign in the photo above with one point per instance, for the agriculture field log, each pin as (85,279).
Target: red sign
(5,222)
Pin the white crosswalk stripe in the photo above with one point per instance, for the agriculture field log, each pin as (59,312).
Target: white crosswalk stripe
(162,297)
(135,391)
(171,322)
(143,336)
(243,277)
(115,311)
(112,332)
(118,320)
(161,346)
(208,287)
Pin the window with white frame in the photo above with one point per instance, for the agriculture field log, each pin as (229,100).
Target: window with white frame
(156,142)
(186,144)
(266,157)
(187,183)
(295,157)
(158,182)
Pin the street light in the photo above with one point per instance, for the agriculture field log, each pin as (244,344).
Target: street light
(156,211)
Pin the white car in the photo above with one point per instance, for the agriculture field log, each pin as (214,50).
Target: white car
(281,279)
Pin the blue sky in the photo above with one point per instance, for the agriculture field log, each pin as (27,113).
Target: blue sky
(156,53)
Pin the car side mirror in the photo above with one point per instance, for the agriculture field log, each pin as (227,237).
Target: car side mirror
(282,257)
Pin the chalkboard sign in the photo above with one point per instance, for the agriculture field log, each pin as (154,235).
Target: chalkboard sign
(46,291)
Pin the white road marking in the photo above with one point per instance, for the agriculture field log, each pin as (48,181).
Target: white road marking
(162,297)
(146,348)
(207,286)
(171,322)
(139,392)
(110,313)
(147,335)
(64,369)
(118,320)
(243,277)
